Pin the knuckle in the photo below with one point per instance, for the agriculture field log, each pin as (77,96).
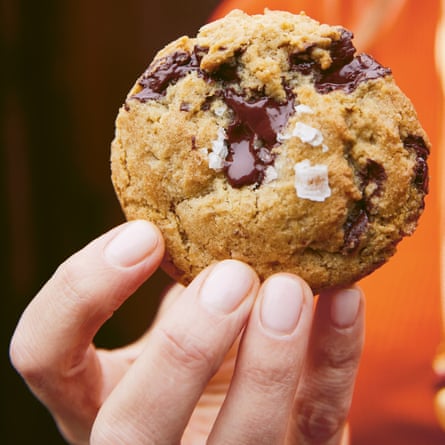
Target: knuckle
(25,363)
(338,356)
(186,350)
(319,424)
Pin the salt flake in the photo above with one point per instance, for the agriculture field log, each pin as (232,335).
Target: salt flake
(270,174)
(308,134)
(219,151)
(311,181)
(303,109)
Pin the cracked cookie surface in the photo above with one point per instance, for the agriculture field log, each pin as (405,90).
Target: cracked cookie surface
(268,139)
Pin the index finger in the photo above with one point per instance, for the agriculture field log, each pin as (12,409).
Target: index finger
(54,333)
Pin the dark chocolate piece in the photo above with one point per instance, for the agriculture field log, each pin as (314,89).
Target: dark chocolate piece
(355,226)
(348,77)
(243,166)
(342,50)
(375,173)
(169,70)
(264,116)
(302,61)
(417,144)
(358,219)
(346,71)
(227,72)
(252,135)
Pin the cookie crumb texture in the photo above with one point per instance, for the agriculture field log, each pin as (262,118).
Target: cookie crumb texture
(268,139)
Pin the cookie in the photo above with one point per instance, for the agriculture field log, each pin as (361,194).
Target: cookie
(268,139)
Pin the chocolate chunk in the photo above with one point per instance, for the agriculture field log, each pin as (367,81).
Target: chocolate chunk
(346,71)
(373,173)
(302,62)
(264,116)
(417,144)
(356,224)
(358,219)
(226,73)
(243,165)
(342,50)
(156,80)
(348,77)
(252,135)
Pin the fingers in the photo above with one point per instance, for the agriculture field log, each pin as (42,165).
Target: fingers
(325,391)
(155,399)
(278,373)
(50,346)
(271,357)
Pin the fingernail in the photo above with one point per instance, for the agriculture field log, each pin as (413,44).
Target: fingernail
(131,245)
(281,305)
(226,287)
(344,307)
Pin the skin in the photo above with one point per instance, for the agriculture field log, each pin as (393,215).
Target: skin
(228,359)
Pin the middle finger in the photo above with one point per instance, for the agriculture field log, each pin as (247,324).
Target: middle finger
(270,360)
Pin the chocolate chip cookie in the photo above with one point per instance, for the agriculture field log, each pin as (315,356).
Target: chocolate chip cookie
(268,139)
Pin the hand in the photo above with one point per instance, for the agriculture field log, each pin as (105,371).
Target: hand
(293,368)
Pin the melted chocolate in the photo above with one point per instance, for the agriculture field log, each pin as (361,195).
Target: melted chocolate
(155,81)
(264,116)
(243,166)
(342,50)
(358,219)
(252,135)
(302,62)
(348,77)
(355,226)
(227,72)
(170,69)
(373,173)
(346,71)
(417,144)
(253,132)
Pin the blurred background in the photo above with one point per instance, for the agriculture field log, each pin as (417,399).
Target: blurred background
(65,69)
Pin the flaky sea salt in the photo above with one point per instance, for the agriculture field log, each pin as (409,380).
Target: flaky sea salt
(308,134)
(270,174)
(303,109)
(215,162)
(219,151)
(312,181)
